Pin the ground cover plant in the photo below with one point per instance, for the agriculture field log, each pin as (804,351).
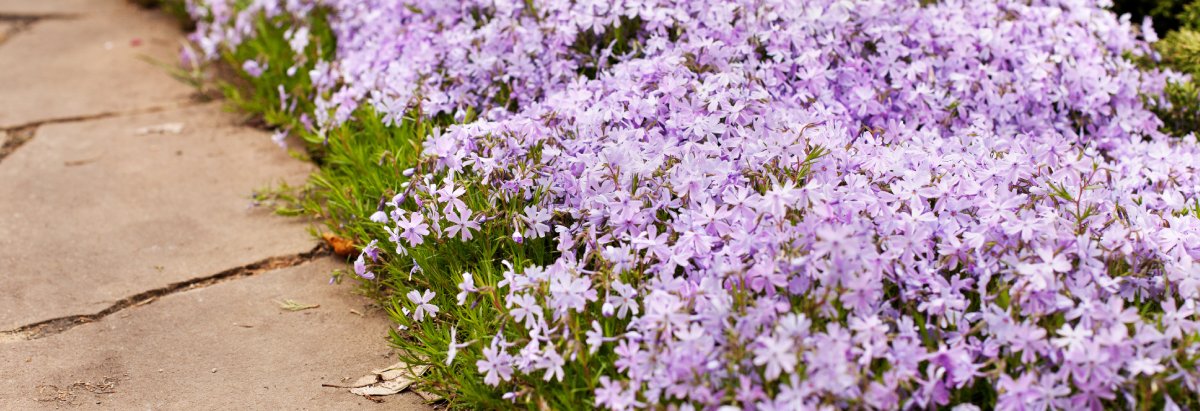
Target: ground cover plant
(1180,50)
(760,204)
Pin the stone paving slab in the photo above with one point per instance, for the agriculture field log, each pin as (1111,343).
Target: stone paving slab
(7,29)
(95,211)
(116,183)
(163,355)
(87,61)
(55,7)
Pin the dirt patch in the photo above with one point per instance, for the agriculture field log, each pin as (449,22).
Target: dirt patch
(70,394)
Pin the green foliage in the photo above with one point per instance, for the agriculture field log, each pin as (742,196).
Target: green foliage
(177,9)
(1165,13)
(363,163)
(1181,111)
(1180,51)
(284,88)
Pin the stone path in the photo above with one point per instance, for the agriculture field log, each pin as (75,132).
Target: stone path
(133,272)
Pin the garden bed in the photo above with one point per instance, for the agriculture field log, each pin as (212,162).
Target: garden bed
(758,204)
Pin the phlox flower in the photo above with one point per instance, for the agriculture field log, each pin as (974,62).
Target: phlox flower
(414,228)
(423,305)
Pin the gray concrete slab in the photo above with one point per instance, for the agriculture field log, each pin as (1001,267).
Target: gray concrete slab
(94,211)
(87,62)
(227,346)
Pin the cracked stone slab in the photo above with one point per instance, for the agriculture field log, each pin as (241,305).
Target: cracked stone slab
(227,346)
(87,62)
(56,7)
(93,211)
(9,28)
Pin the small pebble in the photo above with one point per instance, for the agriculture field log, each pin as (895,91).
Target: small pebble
(214,370)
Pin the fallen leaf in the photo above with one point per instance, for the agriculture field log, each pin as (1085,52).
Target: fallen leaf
(381,389)
(388,375)
(385,381)
(341,246)
(292,305)
(360,382)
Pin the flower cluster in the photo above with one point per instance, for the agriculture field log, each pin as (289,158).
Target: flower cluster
(787,206)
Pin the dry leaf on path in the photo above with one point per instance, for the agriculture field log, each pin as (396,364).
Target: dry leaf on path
(341,246)
(292,305)
(360,382)
(384,388)
(391,380)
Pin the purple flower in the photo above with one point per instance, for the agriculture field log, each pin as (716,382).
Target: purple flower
(360,268)
(466,287)
(553,363)
(253,68)
(414,228)
(777,354)
(461,222)
(524,308)
(535,218)
(1072,337)
(279,137)
(908,199)
(496,365)
(423,305)
(379,217)
(595,337)
(372,250)
(449,195)
(452,349)
(614,396)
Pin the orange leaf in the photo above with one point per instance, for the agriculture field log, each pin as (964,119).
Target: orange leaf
(341,246)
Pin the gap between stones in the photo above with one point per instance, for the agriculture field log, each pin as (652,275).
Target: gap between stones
(20,134)
(21,22)
(58,325)
(16,138)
